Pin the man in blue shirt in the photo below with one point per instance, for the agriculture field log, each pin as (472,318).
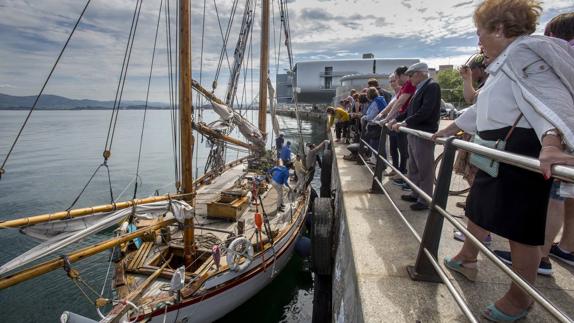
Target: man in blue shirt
(279,177)
(371,131)
(286,154)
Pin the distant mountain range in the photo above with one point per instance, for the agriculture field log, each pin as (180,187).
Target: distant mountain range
(55,102)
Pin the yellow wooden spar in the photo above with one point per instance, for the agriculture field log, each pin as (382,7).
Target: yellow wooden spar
(84,211)
(205,130)
(53,264)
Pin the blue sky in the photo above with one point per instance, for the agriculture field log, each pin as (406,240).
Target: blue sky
(33,32)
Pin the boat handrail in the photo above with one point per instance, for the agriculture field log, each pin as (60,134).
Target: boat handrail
(427,267)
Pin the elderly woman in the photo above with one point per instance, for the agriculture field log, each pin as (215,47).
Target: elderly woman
(527,100)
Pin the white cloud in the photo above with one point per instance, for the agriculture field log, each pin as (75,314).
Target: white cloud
(32,34)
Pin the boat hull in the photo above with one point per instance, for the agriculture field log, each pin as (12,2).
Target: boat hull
(227,291)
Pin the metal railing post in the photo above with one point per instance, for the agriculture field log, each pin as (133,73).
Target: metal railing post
(361,145)
(380,166)
(423,270)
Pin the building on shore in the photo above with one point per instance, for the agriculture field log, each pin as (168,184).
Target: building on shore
(316,81)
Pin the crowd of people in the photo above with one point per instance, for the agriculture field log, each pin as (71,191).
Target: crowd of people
(521,91)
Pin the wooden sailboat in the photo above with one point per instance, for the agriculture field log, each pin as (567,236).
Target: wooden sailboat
(198,254)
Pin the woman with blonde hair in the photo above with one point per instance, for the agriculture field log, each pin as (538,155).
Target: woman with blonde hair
(527,102)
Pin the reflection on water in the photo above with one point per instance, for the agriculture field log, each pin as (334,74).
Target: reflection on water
(56,155)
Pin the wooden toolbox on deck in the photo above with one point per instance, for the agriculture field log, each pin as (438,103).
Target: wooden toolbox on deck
(230,205)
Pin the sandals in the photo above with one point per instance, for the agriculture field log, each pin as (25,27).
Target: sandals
(458,266)
(495,315)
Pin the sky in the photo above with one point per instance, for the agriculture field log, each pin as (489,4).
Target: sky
(32,33)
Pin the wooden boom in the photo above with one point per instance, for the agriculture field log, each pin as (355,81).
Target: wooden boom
(203,129)
(84,211)
(54,264)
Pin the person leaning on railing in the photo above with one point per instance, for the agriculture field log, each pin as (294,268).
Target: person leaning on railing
(423,113)
(560,208)
(342,121)
(530,86)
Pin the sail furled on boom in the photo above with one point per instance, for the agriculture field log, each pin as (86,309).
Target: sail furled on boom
(61,233)
(245,127)
(226,113)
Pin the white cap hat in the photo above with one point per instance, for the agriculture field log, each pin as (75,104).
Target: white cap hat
(418,67)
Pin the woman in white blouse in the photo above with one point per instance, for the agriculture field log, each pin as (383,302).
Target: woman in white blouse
(512,204)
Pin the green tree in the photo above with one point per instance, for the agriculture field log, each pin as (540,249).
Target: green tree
(451,87)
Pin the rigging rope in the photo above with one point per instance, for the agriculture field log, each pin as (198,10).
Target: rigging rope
(104,164)
(225,40)
(122,81)
(147,98)
(172,98)
(42,89)
(199,97)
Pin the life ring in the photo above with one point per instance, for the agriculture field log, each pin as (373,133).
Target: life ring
(240,248)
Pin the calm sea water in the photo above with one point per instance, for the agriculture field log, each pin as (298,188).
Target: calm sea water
(55,157)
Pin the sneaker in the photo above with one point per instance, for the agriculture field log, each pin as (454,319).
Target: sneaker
(544,268)
(418,206)
(461,237)
(558,253)
(399,182)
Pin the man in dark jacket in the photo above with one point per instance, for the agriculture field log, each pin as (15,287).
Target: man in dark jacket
(423,114)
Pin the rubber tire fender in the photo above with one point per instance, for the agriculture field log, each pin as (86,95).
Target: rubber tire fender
(326,170)
(322,294)
(322,236)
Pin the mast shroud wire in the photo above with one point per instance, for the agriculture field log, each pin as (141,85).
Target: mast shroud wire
(43,87)
(171,86)
(122,80)
(147,98)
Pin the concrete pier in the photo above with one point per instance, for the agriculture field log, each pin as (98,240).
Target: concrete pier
(370,280)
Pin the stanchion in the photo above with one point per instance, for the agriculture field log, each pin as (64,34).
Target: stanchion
(423,269)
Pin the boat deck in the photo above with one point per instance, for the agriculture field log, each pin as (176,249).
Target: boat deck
(210,192)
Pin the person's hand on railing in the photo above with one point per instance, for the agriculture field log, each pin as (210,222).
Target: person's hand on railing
(397,125)
(451,130)
(552,155)
(391,123)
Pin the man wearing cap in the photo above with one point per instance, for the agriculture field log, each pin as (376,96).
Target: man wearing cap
(423,113)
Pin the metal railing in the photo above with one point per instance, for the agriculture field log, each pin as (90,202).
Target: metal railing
(426,267)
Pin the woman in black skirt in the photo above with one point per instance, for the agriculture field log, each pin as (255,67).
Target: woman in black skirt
(512,203)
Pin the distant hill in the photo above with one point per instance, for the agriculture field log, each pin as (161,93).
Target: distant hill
(55,102)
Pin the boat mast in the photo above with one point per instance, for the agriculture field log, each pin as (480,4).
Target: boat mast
(186,116)
(264,66)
